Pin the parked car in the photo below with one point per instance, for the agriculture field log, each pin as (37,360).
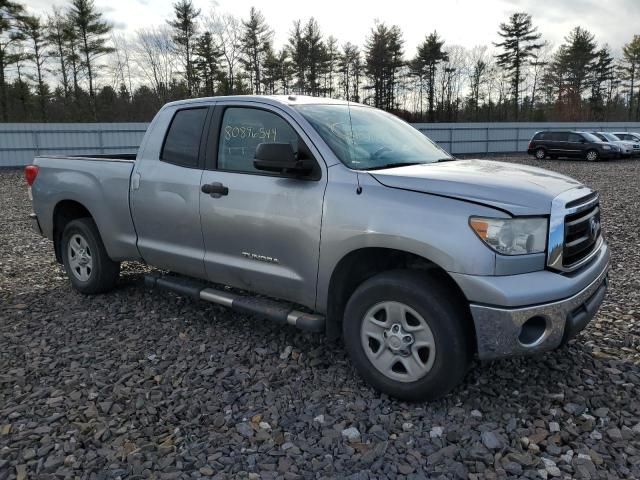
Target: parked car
(626,148)
(568,143)
(338,218)
(630,137)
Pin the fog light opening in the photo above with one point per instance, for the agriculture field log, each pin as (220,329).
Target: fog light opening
(532,331)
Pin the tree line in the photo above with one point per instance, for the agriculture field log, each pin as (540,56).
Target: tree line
(70,65)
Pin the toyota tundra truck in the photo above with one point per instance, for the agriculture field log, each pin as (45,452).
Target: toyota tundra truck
(339,218)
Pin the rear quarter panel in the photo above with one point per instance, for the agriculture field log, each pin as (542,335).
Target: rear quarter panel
(101,186)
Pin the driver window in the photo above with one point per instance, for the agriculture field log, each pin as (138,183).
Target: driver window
(243,129)
(575,138)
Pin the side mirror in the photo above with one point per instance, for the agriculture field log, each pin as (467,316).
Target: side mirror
(280,158)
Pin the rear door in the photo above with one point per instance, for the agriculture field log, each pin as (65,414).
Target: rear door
(552,141)
(575,144)
(261,230)
(166,195)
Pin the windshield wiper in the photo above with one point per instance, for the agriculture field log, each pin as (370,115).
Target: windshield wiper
(446,159)
(394,165)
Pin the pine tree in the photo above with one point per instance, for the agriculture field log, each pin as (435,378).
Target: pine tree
(271,72)
(476,80)
(10,36)
(383,59)
(631,66)
(185,29)
(298,51)
(520,42)
(350,66)
(332,55)
(425,65)
(316,56)
(34,33)
(603,72)
(256,41)
(206,63)
(73,56)
(574,62)
(91,31)
(56,38)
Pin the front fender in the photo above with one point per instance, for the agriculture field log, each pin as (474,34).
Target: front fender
(432,227)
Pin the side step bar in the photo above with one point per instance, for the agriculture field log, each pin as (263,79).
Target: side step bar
(262,307)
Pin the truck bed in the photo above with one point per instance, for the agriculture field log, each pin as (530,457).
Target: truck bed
(100,184)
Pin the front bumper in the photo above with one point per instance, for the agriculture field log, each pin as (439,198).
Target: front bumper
(499,331)
(609,154)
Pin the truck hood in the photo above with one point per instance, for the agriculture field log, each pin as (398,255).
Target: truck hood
(518,189)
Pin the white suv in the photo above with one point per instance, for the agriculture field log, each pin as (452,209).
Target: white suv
(630,137)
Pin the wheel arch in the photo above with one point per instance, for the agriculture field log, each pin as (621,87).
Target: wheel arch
(359,265)
(64,212)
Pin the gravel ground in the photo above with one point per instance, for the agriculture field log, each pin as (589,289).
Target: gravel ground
(136,384)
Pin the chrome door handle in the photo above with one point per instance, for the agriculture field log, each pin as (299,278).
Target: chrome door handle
(215,189)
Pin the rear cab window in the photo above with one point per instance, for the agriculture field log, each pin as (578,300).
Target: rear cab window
(182,141)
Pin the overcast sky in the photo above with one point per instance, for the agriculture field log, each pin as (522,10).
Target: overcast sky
(461,22)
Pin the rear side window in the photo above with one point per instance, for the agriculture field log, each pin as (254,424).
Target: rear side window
(560,136)
(182,143)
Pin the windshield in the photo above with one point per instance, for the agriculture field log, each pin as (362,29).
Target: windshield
(591,137)
(365,138)
(611,138)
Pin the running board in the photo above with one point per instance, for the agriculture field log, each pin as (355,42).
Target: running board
(262,307)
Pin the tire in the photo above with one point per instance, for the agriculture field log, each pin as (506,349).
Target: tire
(541,153)
(432,372)
(85,259)
(592,156)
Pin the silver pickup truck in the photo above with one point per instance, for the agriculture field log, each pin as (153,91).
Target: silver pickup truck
(339,218)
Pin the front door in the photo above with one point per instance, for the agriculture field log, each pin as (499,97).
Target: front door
(261,230)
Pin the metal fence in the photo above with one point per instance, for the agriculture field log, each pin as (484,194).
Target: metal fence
(20,142)
(459,138)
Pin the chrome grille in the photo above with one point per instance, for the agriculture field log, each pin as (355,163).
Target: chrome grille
(581,234)
(574,229)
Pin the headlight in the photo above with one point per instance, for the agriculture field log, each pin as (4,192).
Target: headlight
(606,147)
(512,236)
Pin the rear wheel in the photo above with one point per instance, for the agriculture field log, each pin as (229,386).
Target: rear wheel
(592,155)
(85,259)
(541,153)
(405,334)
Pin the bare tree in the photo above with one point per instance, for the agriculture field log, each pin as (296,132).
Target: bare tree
(226,30)
(477,70)
(154,54)
(123,73)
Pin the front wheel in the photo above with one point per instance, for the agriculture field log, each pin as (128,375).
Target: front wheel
(85,259)
(592,156)
(405,334)
(541,153)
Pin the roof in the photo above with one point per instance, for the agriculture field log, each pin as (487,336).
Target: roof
(268,99)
